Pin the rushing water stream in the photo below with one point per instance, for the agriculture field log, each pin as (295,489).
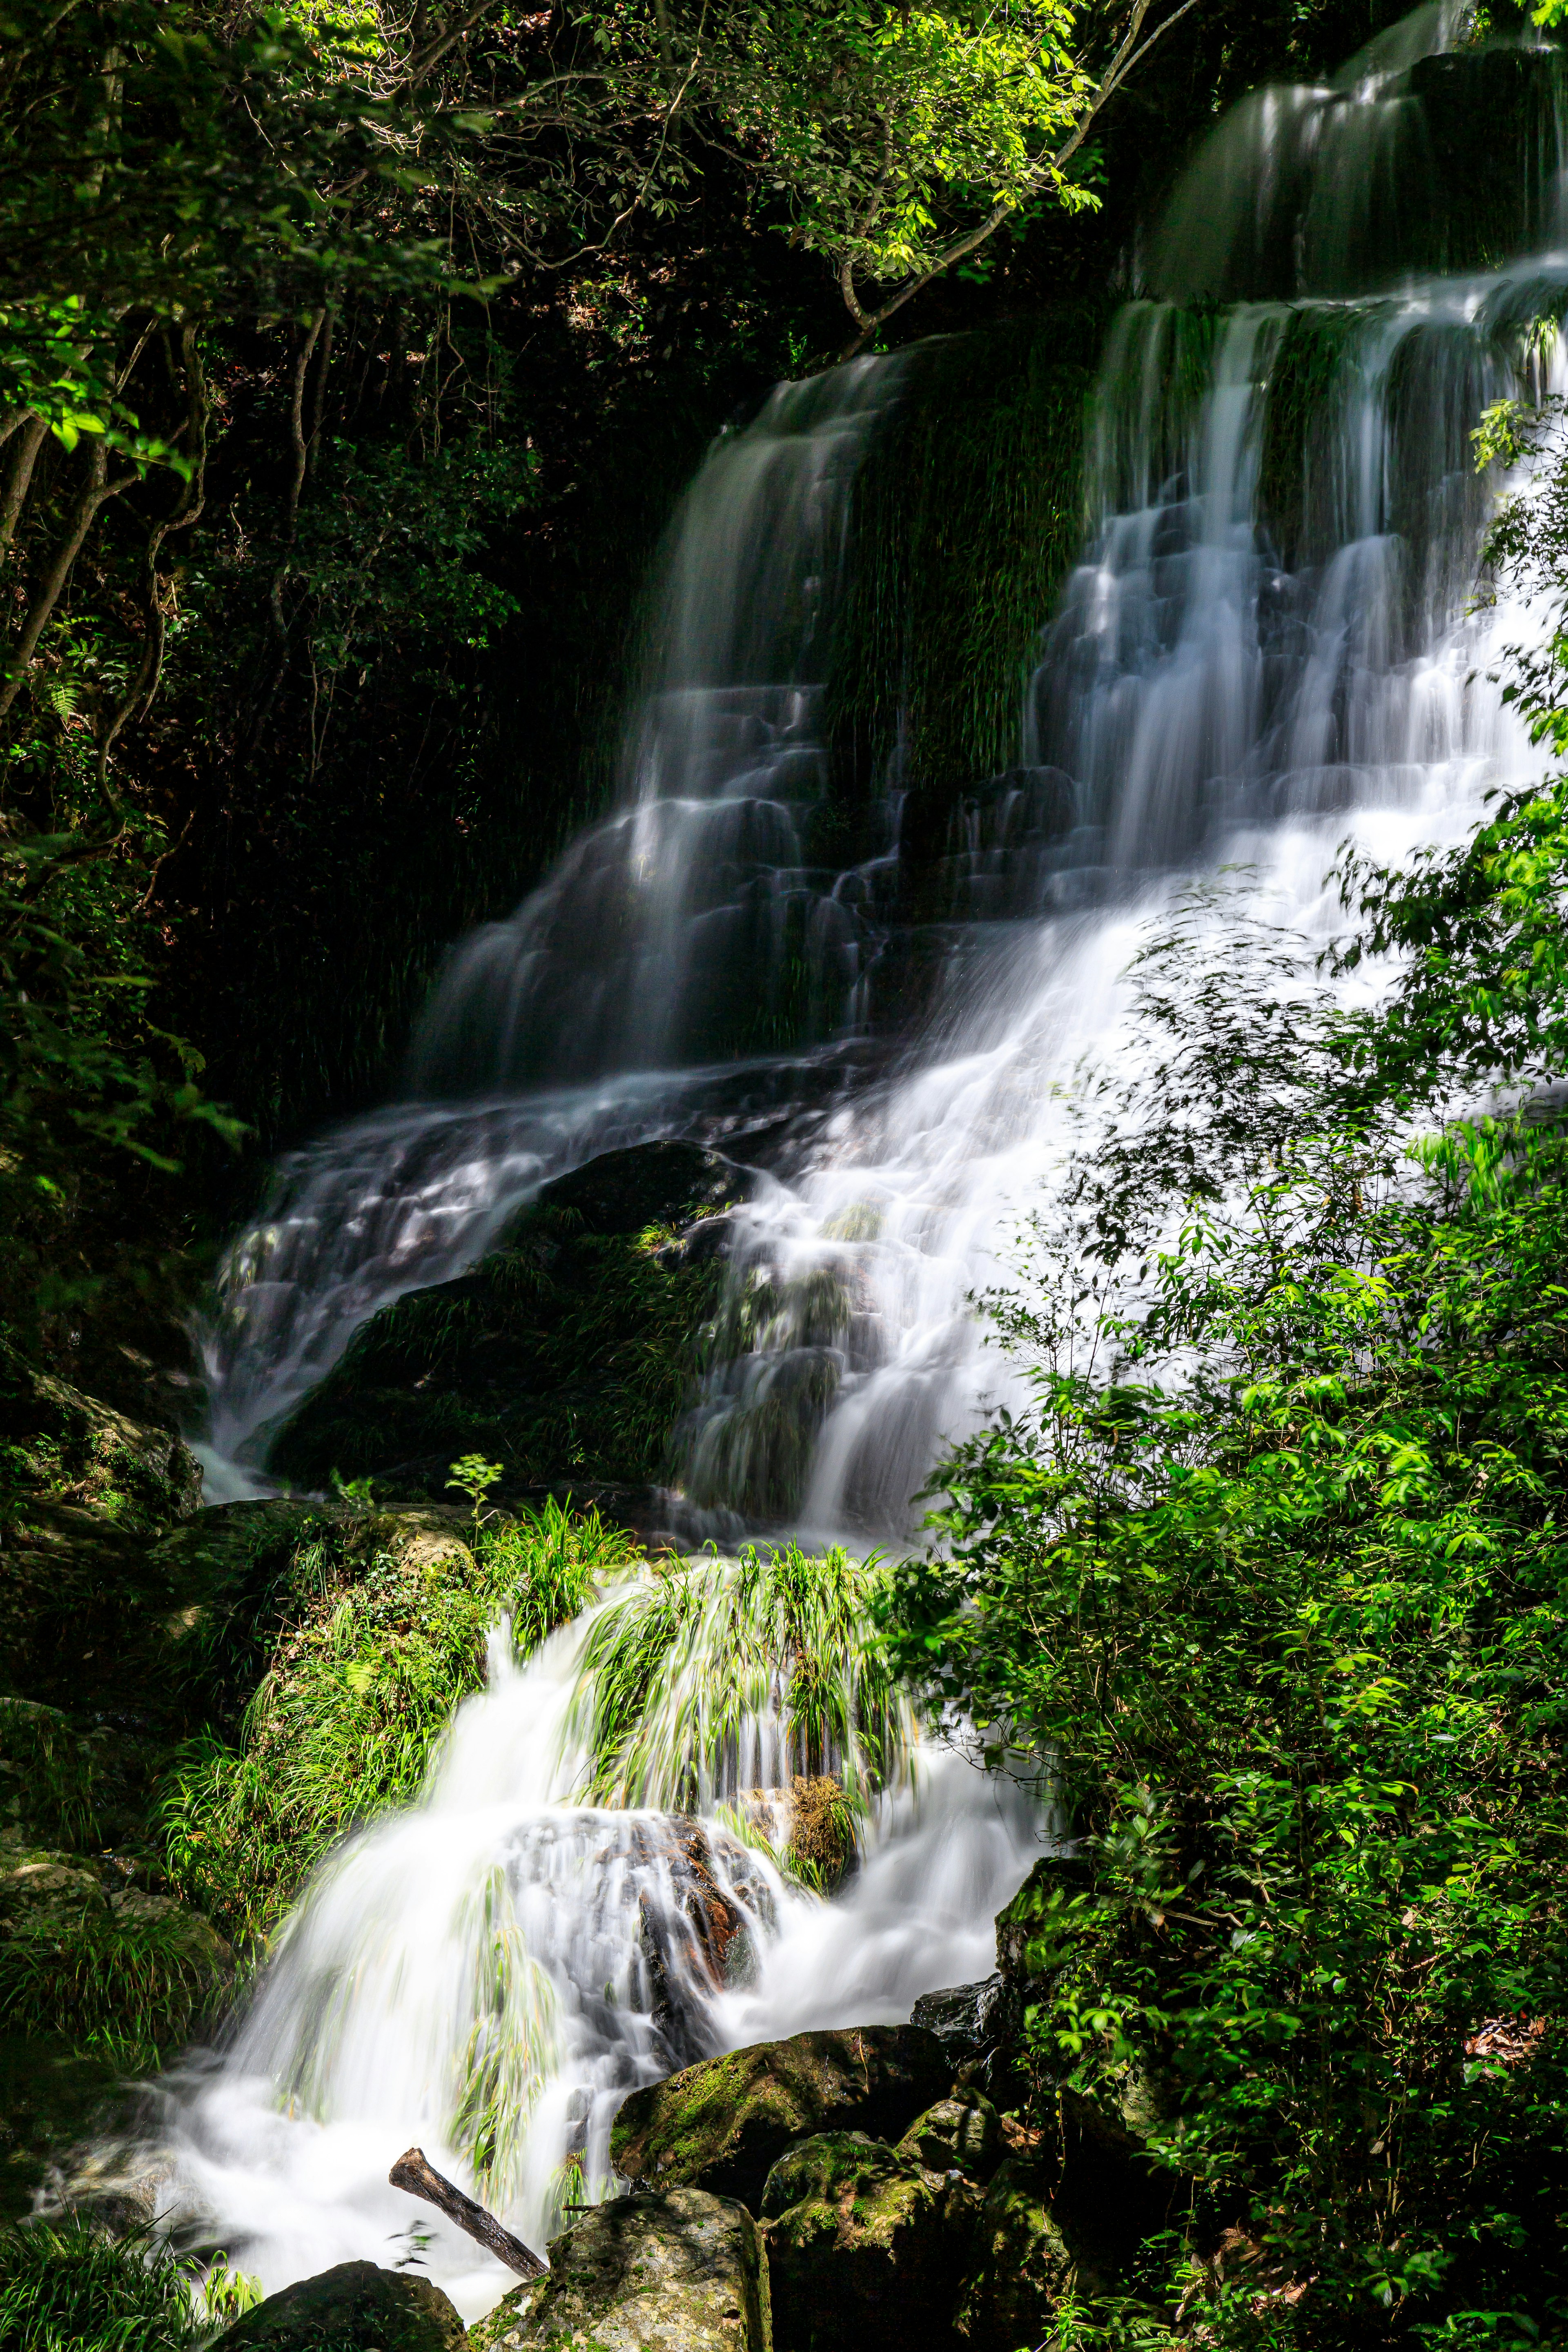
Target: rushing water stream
(1265,647)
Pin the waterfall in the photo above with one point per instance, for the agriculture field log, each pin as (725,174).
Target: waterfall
(610,1009)
(1267,646)
(482,1974)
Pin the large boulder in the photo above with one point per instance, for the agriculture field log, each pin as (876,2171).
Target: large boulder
(723,2125)
(962,2133)
(1021,2264)
(565,1354)
(866,2245)
(354,2308)
(680,2273)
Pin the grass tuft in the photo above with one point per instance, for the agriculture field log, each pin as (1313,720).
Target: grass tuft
(347,1719)
(65,2287)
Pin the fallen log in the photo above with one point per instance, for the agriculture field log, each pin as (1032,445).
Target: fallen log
(421,2179)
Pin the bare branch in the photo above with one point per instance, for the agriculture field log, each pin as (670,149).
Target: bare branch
(421,2179)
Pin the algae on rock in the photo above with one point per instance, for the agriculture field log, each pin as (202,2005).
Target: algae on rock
(677,2272)
(356,2307)
(864,2244)
(723,2125)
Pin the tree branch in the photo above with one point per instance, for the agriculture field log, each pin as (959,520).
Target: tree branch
(1127,56)
(97,493)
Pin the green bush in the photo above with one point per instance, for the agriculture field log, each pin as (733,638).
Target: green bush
(354,1703)
(68,2288)
(126,1986)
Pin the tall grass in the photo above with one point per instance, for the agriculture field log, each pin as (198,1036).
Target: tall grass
(347,1718)
(68,2288)
(706,1674)
(124,1986)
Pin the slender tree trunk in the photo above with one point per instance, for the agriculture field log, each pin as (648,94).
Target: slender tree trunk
(19,481)
(97,491)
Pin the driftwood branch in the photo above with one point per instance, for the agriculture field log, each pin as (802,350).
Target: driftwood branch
(421,2179)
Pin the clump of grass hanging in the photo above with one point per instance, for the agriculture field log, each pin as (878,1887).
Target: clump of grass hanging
(121,1985)
(677,1674)
(348,1717)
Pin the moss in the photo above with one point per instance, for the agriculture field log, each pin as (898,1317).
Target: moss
(723,2125)
(567,1353)
(968,513)
(379,1629)
(864,2243)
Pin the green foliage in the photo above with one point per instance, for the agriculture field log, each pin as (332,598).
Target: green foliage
(474,1476)
(66,2287)
(1274,1573)
(354,1704)
(676,1668)
(55,1769)
(113,1981)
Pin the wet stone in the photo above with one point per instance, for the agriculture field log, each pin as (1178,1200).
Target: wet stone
(354,2308)
(723,2125)
(680,2273)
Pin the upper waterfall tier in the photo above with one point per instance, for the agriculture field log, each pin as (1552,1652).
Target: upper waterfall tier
(1269,641)
(680,929)
(1419,156)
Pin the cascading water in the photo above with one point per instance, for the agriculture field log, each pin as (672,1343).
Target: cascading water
(1266,646)
(488,1972)
(662,942)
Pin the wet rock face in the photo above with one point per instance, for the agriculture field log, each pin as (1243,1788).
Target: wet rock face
(723,2125)
(565,1353)
(962,2133)
(680,2273)
(866,2245)
(1021,2266)
(644,1185)
(699,1941)
(979,2027)
(354,2308)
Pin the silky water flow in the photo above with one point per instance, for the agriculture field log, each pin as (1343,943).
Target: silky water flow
(1270,646)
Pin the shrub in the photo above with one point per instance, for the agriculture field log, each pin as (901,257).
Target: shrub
(347,1719)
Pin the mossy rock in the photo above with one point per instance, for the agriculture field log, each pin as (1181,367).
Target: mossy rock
(962,2133)
(723,2125)
(565,1355)
(680,2273)
(1021,2266)
(354,2308)
(866,2245)
(1036,1931)
(134,1474)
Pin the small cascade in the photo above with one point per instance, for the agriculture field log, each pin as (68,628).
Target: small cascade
(490,1971)
(698,923)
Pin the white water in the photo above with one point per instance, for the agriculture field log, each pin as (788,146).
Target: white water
(501,1904)
(1225,682)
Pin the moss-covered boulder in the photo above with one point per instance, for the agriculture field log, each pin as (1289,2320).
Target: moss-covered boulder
(354,2308)
(723,2125)
(866,2245)
(1021,2264)
(565,1354)
(962,2133)
(680,2273)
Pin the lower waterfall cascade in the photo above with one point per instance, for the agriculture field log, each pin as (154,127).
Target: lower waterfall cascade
(1270,647)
